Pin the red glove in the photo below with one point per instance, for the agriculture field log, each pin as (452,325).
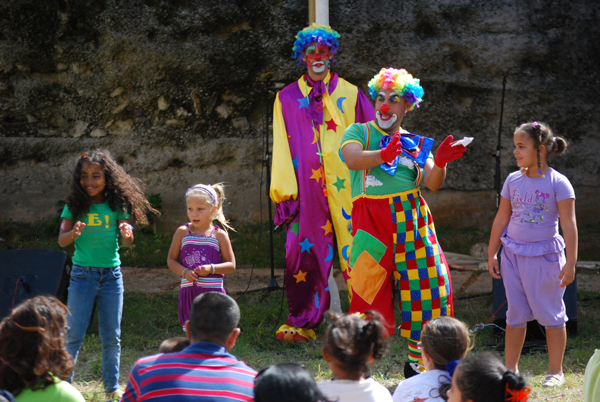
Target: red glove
(393,149)
(447,153)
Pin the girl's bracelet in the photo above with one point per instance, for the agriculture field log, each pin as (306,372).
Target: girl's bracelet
(183,272)
(213,268)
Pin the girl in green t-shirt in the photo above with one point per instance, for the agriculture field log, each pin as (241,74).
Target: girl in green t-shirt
(103,201)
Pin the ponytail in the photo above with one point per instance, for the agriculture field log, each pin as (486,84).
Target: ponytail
(219,216)
(541,134)
(483,378)
(515,387)
(352,340)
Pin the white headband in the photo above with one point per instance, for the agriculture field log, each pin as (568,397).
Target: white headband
(208,189)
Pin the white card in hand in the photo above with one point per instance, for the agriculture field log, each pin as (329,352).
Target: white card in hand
(465,141)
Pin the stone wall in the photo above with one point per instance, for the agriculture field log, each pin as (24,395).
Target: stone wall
(174,89)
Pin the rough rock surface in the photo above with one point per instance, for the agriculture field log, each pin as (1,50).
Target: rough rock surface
(175,90)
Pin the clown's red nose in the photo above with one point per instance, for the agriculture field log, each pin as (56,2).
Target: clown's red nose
(318,57)
(384,108)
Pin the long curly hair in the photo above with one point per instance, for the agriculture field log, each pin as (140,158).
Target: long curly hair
(32,345)
(121,190)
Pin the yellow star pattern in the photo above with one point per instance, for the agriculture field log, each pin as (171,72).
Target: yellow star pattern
(300,276)
(327,227)
(316,174)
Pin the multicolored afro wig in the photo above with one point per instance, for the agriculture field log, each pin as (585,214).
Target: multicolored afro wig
(323,34)
(401,82)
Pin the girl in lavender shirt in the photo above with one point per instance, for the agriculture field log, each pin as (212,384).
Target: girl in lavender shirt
(534,268)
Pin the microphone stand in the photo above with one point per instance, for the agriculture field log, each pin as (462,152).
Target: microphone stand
(497,183)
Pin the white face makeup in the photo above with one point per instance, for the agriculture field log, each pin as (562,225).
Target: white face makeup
(318,67)
(390,109)
(385,121)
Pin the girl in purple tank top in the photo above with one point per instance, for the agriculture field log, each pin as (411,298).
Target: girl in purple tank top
(201,252)
(535,270)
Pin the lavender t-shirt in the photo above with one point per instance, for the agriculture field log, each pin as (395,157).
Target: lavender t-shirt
(534,205)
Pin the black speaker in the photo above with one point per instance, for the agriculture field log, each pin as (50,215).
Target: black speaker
(534,329)
(28,273)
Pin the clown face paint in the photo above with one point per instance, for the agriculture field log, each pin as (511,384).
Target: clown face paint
(390,110)
(317,57)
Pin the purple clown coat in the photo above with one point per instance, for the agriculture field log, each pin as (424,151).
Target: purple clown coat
(311,187)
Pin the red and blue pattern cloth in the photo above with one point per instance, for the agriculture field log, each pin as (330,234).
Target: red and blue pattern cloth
(203,371)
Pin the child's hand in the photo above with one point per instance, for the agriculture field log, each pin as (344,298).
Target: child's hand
(76,232)
(190,275)
(567,275)
(494,267)
(203,270)
(125,229)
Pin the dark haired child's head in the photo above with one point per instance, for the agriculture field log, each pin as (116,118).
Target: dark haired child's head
(445,339)
(286,382)
(545,143)
(98,178)
(351,343)
(32,344)
(175,344)
(214,318)
(483,378)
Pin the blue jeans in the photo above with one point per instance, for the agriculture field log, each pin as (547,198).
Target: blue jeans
(105,285)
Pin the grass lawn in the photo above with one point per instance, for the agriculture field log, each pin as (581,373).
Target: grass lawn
(149,319)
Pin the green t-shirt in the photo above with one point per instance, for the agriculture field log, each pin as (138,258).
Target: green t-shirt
(378,182)
(98,245)
(61,391)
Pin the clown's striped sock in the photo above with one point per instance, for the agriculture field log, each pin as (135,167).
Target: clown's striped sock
(414,352)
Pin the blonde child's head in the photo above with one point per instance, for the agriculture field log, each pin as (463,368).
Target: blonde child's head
(214,196)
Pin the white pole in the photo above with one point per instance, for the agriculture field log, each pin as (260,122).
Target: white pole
(322,12)
(322,18)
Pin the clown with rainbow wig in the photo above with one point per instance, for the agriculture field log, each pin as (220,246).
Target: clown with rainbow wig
(392,228)
(310,184)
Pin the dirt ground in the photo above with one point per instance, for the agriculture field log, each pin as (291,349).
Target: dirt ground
(467,278)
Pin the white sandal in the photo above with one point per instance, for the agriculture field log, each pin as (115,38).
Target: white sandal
(554,380)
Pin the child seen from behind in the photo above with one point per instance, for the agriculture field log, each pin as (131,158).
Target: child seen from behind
(351,344)
(444,341)
(483,378)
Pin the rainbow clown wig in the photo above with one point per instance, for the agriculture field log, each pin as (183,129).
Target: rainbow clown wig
(322,34)
(401,82)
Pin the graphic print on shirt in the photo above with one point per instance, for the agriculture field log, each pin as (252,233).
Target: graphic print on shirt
(533,206)
(196,258)
(96,224)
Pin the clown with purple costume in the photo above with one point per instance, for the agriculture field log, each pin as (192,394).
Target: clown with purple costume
(310,184)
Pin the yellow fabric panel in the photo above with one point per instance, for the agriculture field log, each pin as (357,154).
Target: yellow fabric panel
(283,176)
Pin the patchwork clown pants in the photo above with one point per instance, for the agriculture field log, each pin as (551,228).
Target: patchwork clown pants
(395,235)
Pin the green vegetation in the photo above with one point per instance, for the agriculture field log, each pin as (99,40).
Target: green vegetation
(149,319)
(151,246)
